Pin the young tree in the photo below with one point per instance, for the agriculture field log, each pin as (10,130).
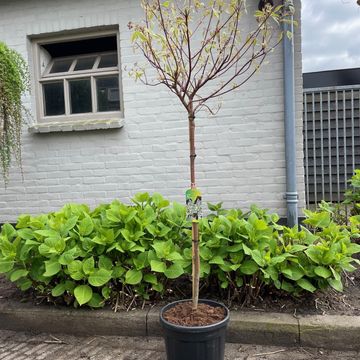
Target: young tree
(200,53)
(14,82)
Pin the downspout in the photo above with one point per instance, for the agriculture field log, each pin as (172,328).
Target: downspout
(291,194)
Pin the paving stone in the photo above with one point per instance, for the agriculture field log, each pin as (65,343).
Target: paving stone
(331,331)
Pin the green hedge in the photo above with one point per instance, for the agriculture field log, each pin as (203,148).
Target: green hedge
(142,249)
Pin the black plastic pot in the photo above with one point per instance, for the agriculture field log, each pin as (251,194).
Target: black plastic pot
(194,342)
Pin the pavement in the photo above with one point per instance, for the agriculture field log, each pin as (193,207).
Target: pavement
(28,346)
(331,332)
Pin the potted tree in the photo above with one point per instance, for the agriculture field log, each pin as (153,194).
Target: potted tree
(200,53)
(14,82)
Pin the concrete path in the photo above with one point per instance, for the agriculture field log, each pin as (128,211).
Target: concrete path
(26,346)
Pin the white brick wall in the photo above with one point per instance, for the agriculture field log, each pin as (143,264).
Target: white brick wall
(240,159)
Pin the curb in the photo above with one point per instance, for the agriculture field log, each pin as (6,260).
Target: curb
(322,331)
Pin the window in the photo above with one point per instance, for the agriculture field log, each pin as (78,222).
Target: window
(78,79)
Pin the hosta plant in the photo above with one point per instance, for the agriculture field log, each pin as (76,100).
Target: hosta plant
(130,253)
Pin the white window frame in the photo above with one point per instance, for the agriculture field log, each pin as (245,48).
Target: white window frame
(41,76)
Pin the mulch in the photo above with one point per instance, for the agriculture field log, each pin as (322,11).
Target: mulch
(328,302)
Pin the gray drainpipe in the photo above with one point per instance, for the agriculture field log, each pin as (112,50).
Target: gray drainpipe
(291,194)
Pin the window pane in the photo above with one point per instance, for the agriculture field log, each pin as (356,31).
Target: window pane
(85,63)
(108,97)
(61,65)
(54,98)
(80,96)
(109,60)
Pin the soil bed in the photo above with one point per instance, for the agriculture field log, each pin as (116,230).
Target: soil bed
(270,300)
(184,315)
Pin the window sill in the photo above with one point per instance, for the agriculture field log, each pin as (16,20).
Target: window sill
(82,125)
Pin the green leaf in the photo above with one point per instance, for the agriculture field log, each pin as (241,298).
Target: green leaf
(322,272)
(24,284)
(106,292)
(17,274)
(249,267)
(75,270)
(100,277)
(83,294)
(257,257)
(86,226)
(174,271)
(58,290)
(314,254)
(158,287)
(293,272)
(105,263)
(96,301)
(150,278)
(217,260)
(133,277)
(48,233)
(287,287)
(319,219)
(157,266)
(6,265)
(26,234)
(118,272)
(52,267)
(306,285)
(88,265)
(336,284)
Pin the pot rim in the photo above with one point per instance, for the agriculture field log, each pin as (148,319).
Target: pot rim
(183,328)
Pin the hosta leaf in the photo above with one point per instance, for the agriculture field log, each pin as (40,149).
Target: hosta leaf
(17,274)
(256,255)
(99,277)
(174,256)
(96,301)
(24,284)
(58,290)
(174,271)
(26,234)
(322,272)
(66,258)
(75,270)
(83,294)
(86,226)
(133,277)
(6,265)
(48,233)
(336,284)
(314,254)
(105,262)
(158,287)
(306,285)
(118,272)
(249,267)
(157,266)
(217,260)
(106,292)
(88,265)
(287,287)
(293,272)
(150,278)
(52,267)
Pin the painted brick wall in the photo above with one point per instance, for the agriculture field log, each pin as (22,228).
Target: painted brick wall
(240,159)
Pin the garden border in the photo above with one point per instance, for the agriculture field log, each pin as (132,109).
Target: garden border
(333,332)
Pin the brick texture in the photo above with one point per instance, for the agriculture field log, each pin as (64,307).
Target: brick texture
(240,159)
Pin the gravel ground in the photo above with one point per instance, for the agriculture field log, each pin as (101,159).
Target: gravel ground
(25,346)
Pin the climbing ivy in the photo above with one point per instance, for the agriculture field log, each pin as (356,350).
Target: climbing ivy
(14,82)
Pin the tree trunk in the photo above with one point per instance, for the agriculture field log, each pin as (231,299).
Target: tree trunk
(195,224)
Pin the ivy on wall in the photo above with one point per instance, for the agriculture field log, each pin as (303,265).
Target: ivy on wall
(14,82)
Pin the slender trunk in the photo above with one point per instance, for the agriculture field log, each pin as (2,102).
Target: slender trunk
(195,224)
